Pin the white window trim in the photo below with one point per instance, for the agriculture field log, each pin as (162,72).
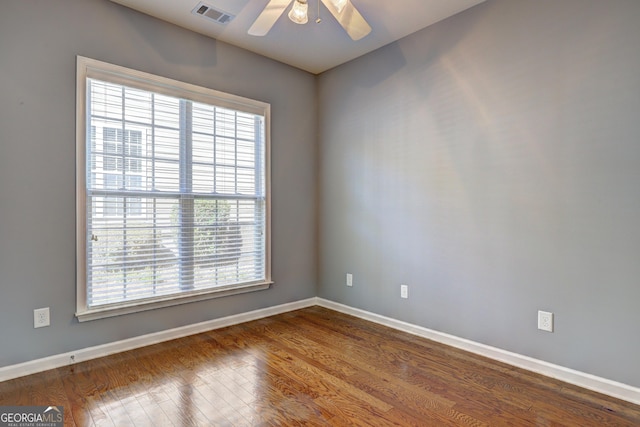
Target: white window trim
(91,68)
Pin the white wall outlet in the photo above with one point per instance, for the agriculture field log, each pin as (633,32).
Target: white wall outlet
(545,321)
(41,317)
(349,279)
(404,291)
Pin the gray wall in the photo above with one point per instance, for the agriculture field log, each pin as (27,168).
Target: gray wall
(492,163)
(39,41)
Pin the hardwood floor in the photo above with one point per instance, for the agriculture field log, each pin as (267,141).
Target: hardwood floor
(311,367)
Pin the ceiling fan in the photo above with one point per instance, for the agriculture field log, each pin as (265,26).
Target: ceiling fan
(343,10)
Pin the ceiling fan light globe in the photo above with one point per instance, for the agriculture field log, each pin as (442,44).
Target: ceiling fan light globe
(298,13)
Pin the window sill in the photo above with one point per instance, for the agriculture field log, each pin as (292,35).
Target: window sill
(168,301)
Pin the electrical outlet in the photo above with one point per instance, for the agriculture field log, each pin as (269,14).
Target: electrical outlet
(545,321)
(404,291)
(349,279)
(41,317)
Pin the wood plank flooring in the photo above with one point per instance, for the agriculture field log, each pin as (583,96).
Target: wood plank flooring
(311,367)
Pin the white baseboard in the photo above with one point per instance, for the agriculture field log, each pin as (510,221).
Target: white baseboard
(581,379)
(59,360)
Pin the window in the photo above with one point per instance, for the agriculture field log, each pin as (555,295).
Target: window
(122,149)
(172,193)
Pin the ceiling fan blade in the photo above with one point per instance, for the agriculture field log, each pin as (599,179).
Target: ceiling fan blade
(268,17)
(350,19)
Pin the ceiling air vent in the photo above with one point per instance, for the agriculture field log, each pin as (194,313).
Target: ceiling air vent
(215,15)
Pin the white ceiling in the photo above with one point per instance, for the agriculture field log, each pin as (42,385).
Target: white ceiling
(311,47)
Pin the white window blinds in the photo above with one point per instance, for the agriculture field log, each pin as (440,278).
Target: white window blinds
(175,195)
